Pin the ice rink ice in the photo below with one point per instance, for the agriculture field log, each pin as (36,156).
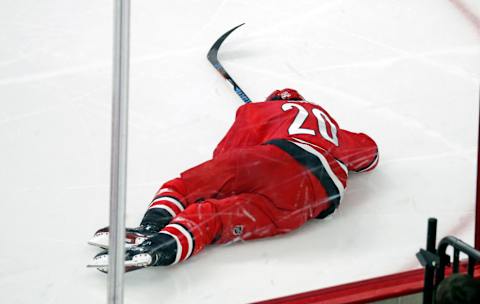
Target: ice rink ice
(405,72)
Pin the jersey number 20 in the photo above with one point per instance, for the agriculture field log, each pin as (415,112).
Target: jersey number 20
(322,120)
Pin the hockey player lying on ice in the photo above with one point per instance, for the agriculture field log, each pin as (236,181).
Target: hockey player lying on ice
(283,162)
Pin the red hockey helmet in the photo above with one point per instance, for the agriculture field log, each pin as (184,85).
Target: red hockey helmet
(285,94)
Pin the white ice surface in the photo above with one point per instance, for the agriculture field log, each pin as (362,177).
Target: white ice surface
(405,72)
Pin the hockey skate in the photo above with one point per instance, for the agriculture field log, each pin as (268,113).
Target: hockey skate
(158,250)
(133,236)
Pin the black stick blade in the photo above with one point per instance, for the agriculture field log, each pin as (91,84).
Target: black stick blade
(212,56)
(212,53)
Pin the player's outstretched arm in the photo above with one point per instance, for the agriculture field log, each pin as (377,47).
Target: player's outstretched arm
(357,150)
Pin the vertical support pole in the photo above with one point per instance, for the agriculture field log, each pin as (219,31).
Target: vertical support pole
(477,208)
(430,270)
(471,266)
(456,260)
(118,173)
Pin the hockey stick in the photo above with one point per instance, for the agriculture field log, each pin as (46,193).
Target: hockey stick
(213,58)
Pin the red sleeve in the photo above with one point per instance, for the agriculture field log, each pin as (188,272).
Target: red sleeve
(357,151)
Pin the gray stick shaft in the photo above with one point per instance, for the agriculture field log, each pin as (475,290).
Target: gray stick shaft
(118,174)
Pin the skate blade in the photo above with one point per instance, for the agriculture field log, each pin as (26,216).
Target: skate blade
(101,268)
(100,262)
(102,239)
(138,261)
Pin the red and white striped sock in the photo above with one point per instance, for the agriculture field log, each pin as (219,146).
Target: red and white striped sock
(184,239)
(169,200)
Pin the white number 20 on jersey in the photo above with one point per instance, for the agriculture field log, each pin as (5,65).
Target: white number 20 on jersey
(322,120)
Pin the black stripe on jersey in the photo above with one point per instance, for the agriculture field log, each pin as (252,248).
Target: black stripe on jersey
(191,234)
(315,166)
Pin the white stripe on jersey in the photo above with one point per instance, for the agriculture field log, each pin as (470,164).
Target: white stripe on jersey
(168,209)
(165,190)
(187,235)
(342,165)
(169,199)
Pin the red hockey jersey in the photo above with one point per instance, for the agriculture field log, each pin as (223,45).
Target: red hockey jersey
(251,189)
(304,123)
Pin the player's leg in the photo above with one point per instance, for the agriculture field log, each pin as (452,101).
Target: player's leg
(264,170)
(205,181)
(239,217)
(169,201)
(215,178)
